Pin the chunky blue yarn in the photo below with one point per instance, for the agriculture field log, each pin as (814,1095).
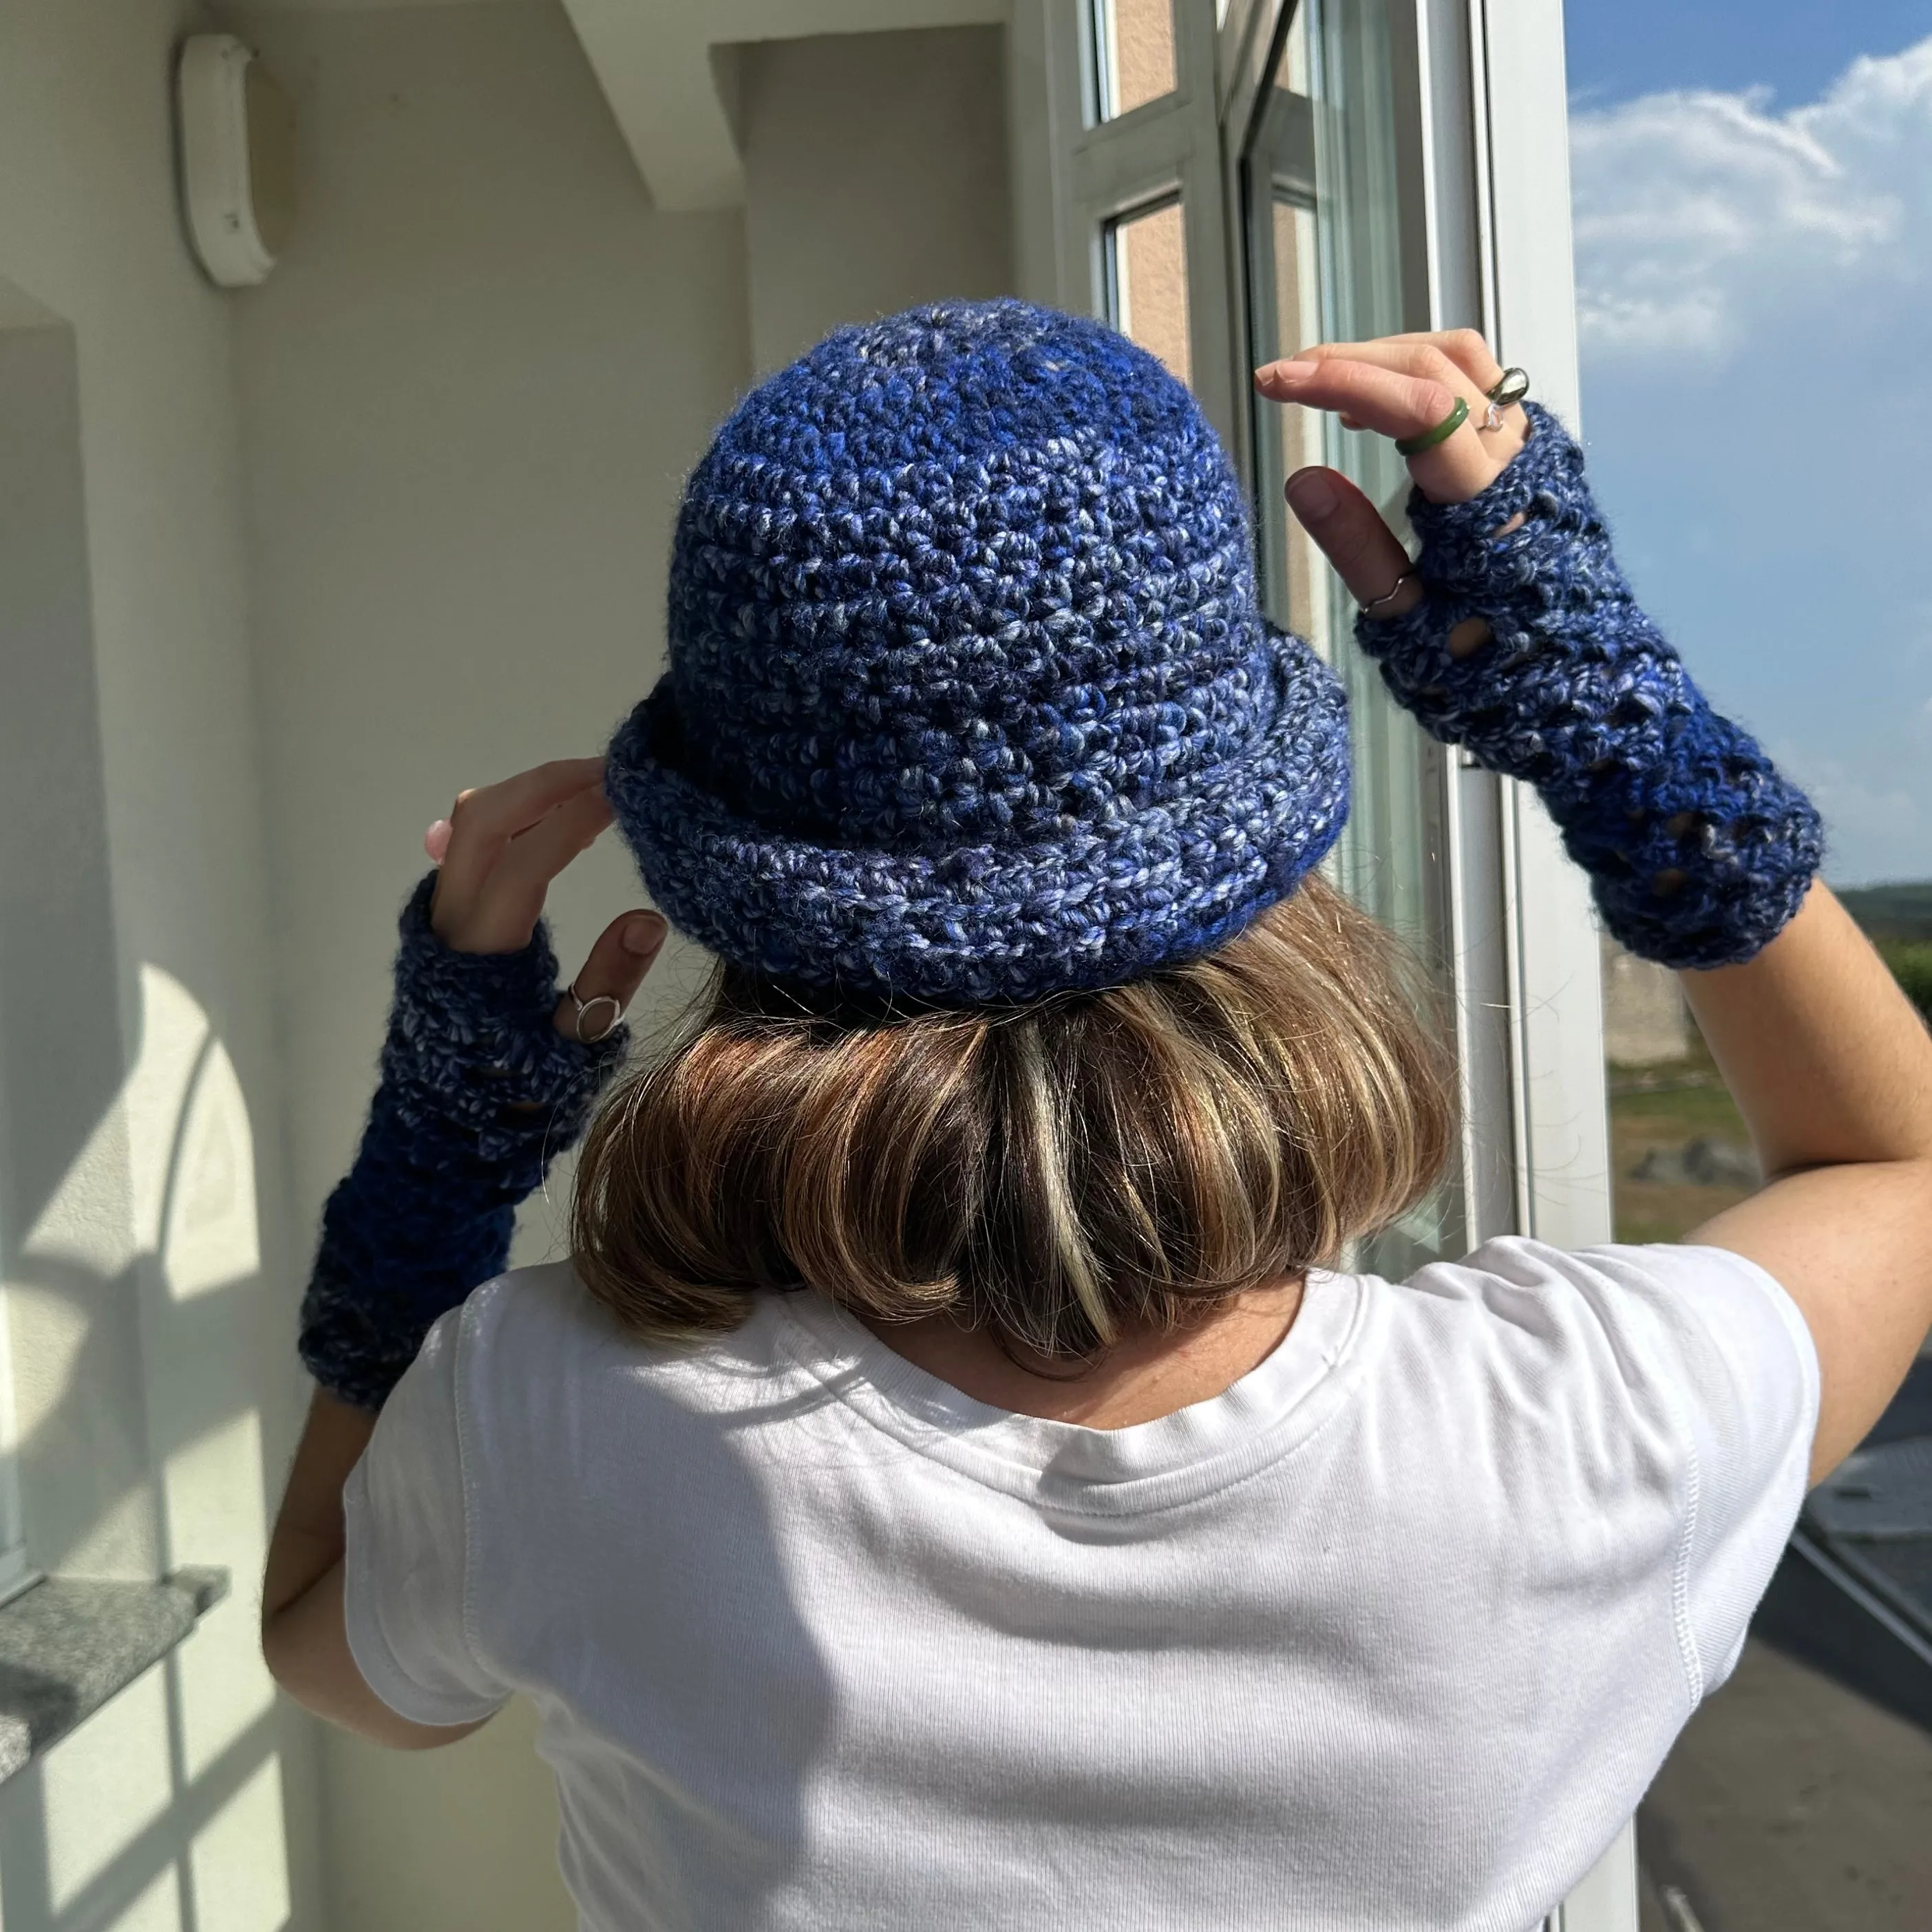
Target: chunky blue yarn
(1698,850)
(969,699)
(479,1092)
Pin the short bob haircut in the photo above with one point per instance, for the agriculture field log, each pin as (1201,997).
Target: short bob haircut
(1056,1172)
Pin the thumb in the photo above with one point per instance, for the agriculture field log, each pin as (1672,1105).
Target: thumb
(1354,539)
(611,976)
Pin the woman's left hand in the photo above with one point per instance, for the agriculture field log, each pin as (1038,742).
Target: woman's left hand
(497,853)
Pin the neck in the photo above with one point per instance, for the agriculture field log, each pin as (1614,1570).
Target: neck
(1148,1373)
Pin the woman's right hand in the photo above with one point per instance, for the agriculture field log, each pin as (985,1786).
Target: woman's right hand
(497,853)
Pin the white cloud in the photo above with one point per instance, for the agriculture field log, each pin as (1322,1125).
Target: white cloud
(1755,297)
(1697,214)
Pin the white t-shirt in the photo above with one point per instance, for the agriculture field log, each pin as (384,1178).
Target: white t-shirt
(1393,1634)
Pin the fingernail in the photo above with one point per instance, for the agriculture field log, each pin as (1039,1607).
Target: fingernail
(1290,371)
(435,840)
(645,934)
(1310,494)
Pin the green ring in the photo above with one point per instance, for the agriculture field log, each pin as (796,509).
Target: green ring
(1414,445)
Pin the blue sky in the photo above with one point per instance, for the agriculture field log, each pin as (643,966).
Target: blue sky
(1619,48)
(1753,187)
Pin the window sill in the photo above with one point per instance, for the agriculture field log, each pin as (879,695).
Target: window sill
(68,1645)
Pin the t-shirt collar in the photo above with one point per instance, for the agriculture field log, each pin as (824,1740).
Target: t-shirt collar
(1153,1464)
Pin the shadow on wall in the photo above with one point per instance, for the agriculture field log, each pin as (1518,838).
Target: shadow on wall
(128,1236)
(151,1231)
(130,1241)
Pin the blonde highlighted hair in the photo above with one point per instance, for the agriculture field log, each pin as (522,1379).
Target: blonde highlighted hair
(1057,1172)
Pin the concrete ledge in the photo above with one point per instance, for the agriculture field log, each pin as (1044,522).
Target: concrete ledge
(68,1645)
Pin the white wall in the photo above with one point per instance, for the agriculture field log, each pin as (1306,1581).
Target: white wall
(875,177)
(151,1278)
(470,395)
(403,513)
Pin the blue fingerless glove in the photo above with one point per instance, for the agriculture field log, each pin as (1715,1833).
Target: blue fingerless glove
(1698,850)
(479,1093)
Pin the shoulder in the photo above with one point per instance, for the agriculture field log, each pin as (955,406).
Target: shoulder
(1516,1291)
(536,1349)
(1654,1336)
(573,1433)
(547,1306)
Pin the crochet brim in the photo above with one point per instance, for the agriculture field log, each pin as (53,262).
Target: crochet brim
(1148,888)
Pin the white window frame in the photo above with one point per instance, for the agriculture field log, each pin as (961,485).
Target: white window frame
(1519,138)
(1099,169)
(1485,159)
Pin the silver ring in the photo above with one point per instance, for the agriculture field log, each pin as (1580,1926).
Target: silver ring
(1375,604)
(584,1006)
(1509,388)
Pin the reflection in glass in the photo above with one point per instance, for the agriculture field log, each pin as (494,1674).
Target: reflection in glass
(1298,314)
(1133,54)
(1147,283)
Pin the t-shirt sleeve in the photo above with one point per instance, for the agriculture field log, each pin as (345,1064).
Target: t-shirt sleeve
(1735,1363)
(407,1515)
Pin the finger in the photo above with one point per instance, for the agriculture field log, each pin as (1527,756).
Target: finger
(1395,404)
(483,822)
(1388,401)
(1407,357)
(1459,358)
(615,969)
(1353,537)
(1418,355)
(510,899)
(1468,349)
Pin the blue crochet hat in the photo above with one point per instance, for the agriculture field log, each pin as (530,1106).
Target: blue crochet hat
(969,700)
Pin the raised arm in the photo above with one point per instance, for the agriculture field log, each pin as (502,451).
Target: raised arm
(1832,1067)
(487,1074)
(1701,854)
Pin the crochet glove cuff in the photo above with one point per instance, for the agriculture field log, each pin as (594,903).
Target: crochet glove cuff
(479,1092)
(1698,849)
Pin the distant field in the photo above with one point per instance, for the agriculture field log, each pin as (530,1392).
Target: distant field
(1911,963)
(1901,911)
(1667,1107)
(1664,1107)
(1898,918)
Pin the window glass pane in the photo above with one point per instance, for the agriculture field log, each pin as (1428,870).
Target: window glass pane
(1323,237)
(1386,856)
(1133,53)
(1679,1149)
(1147,283)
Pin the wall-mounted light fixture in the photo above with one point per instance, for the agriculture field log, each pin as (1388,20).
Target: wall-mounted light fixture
(237,171)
